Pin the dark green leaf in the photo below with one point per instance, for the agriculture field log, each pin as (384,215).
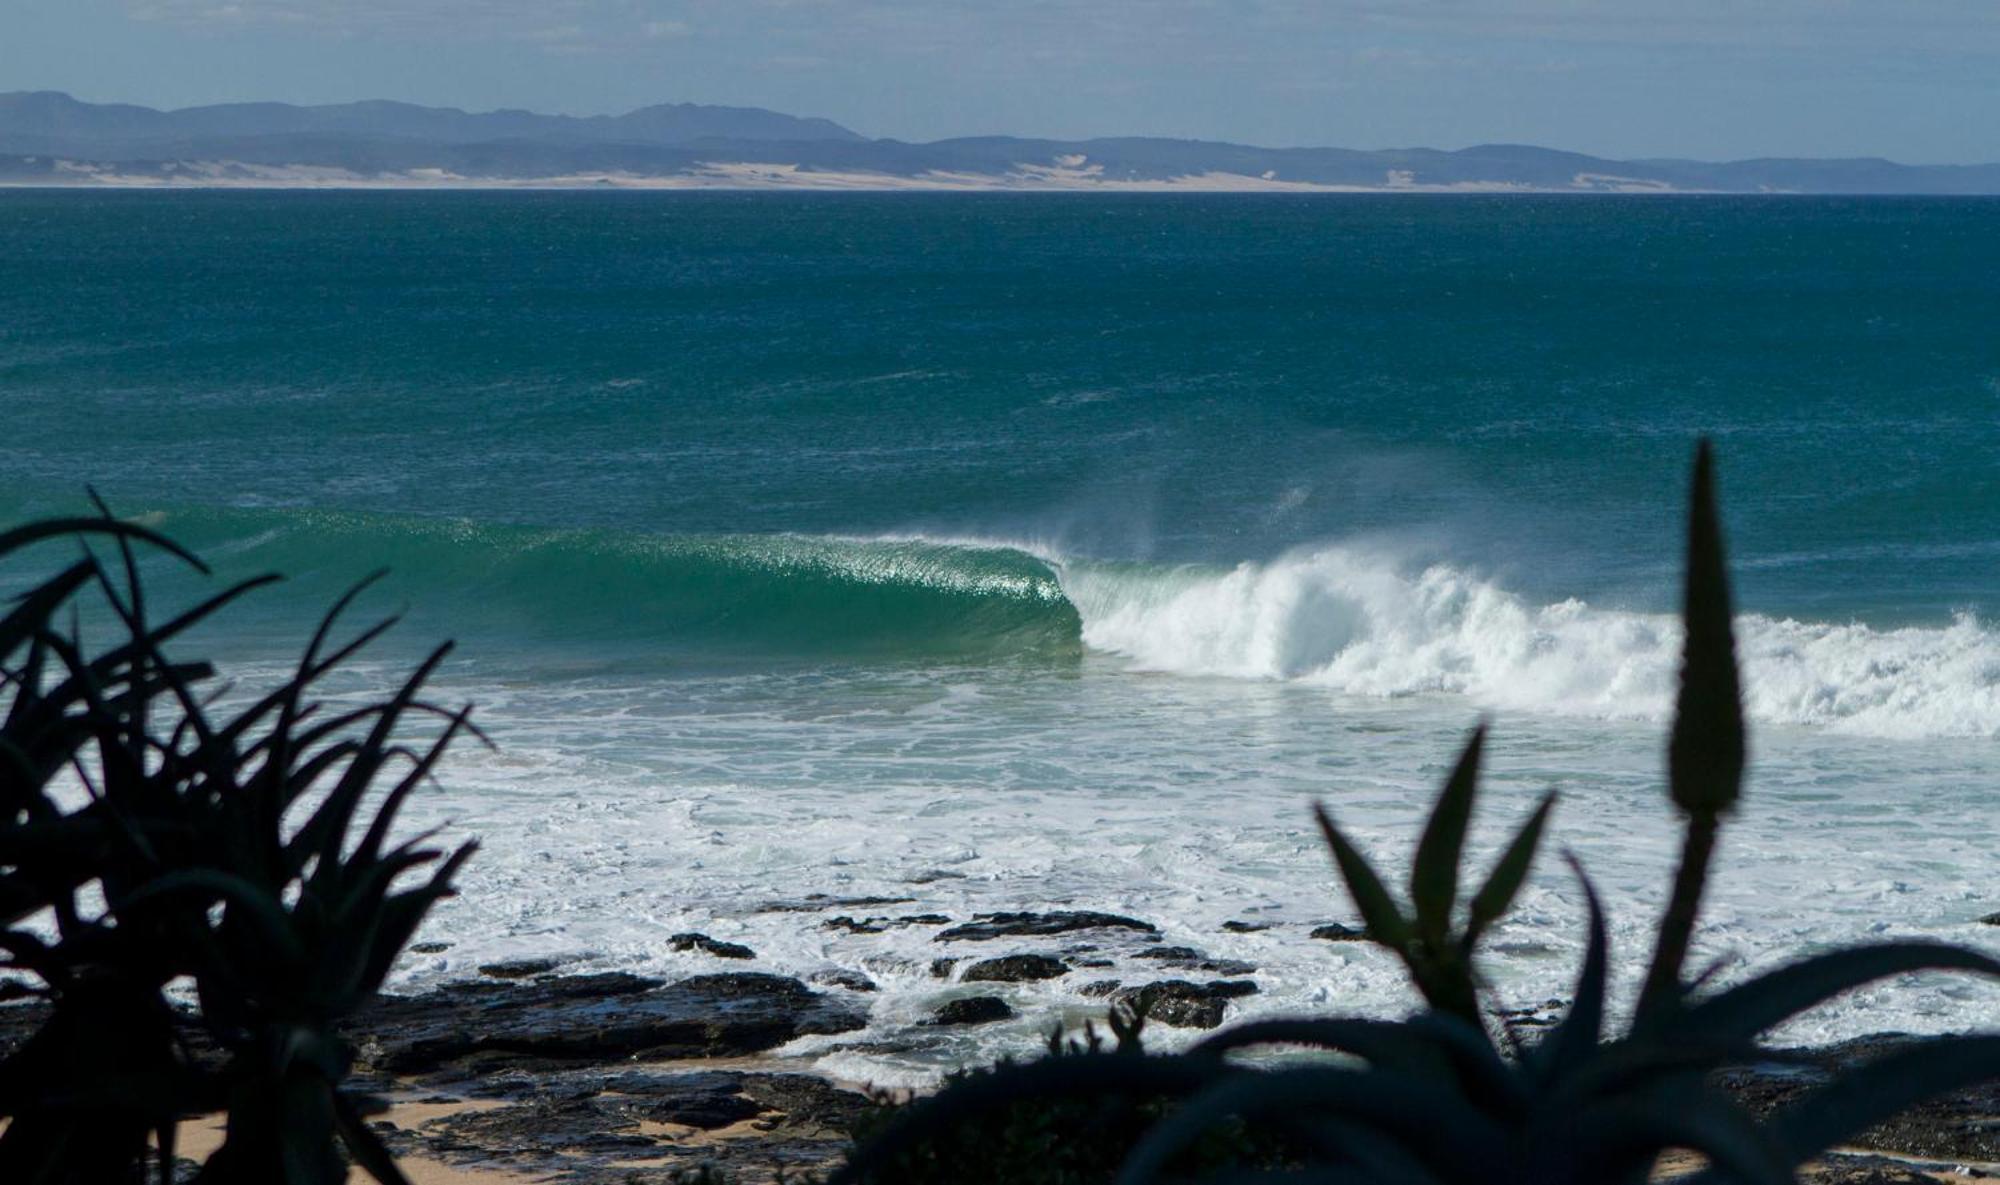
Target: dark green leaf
(1496,896)
(1706,753)
(1434,872)
(1378,910)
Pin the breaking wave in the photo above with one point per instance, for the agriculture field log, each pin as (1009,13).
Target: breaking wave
(1346,618)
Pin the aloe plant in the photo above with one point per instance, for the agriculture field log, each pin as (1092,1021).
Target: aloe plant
(233,849)
(1439,958)
(1440,1099)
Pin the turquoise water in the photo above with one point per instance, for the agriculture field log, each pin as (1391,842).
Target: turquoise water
(1072,544)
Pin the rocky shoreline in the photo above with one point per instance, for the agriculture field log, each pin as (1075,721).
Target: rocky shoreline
(543,1073)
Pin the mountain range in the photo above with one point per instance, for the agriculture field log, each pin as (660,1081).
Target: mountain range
(50,138)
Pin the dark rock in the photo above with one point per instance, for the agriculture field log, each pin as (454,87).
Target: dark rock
(1095,963)
(707,945)
(15,989)
(1186,1005)
(429,948)
(589,1126)
(1335,932)
(599,1018)
(843,922)
(1545,1015)
(579,1127)
(1016,969)
(988,926)
(1956,1128)
(853,981)
(1991,919)
(1100,988)
(972,1010)
(1186,958)
(941,968)
(518,968)
(808,1104)
(816,902)
(1246,927)
(877,925)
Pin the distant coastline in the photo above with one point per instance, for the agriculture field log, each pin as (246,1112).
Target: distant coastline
(49,139)
(734,177)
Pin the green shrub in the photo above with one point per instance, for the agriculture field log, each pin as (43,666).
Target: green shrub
(234,850)
(1442,1098)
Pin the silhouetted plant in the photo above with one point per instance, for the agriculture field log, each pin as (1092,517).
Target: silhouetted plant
(1442,1098)
(218,848)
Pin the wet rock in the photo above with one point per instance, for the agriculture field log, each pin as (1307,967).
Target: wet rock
(1544,1015)
(972,1010)
(853,981)
(1185,1005)
(595,1018)
(818,902)
(941,968)
(1336,932)
(429,948)
(1991,919)
(1958,1127)
(809,1105)
(988,926)
(1187,958)
(1246,927)
(877,925)
(518,968)
(579,1127)
(711,946)
(853,926)
(1016,969)
(1100,988)
(588,1127)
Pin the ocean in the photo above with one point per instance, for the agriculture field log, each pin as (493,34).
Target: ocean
(1007,552)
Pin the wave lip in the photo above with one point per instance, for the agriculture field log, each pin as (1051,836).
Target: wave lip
(1360,623)
(764,595)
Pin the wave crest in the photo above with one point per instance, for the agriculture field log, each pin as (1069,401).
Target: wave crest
(1357,622)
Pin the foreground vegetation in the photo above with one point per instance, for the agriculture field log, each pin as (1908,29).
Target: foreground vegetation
(149,837)
(1449,1095)
(146,838)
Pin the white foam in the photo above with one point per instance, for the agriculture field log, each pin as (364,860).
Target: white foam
(1359,622)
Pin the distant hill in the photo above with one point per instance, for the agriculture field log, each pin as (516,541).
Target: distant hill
(50,138)
(53,122)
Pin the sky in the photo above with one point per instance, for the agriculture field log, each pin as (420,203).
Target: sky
(1913,80)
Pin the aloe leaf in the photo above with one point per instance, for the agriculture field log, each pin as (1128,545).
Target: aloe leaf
(1704,1123)
(1427,1039)
(1576,1039)
(1053,1078)
(1747,1009)
(33,610)
(1706,753)
(52,528)
(257,905)
(369,1151)
(1869,1094)
(1378,910)
(1496,896)
(1396,1107)
(1434,872)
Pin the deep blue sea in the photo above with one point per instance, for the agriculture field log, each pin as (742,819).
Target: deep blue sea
(1011,551)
